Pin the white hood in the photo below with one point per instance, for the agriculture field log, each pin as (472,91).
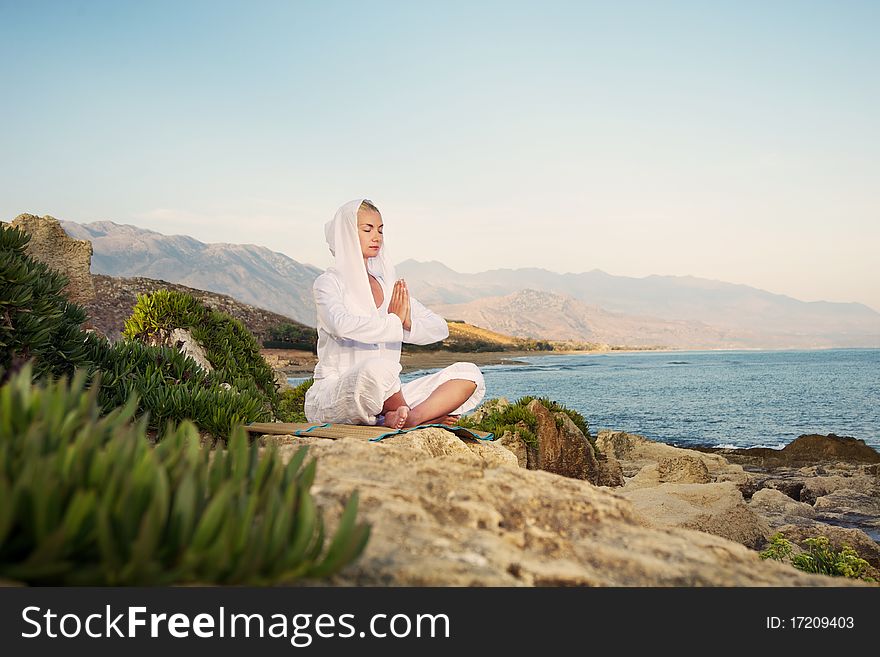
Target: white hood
(342,238)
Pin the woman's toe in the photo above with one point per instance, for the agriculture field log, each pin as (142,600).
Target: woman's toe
(402,414)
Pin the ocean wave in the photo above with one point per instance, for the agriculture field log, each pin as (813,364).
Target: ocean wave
(732,446)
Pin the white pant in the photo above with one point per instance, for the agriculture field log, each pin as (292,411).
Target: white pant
(358,395)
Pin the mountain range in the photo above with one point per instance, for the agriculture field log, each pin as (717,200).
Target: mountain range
(673,311)
(253,274)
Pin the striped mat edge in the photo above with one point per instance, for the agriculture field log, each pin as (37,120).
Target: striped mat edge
(370,433)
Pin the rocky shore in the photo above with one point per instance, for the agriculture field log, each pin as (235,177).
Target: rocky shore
(625,512)
(829,483)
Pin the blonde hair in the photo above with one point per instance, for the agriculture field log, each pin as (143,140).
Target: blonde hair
(366,204)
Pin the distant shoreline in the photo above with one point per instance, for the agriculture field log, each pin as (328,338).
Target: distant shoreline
(303,362)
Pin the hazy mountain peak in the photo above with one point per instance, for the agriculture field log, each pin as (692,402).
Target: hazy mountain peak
(686,311)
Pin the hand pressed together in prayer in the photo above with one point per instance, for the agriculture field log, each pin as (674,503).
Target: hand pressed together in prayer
(399,303)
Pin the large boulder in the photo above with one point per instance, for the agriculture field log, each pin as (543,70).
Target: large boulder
(778,508)
(441,517)
(805,450)
(563,449)
(511,441)
(641,459)
(716,508)
(51,245)
(683,470)
(815,487)
(433,441)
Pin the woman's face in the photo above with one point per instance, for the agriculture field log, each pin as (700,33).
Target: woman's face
(369,232)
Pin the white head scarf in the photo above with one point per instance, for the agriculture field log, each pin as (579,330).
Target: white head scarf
(342,238)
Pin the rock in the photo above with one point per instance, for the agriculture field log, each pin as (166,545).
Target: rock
(806,450)
(184,342)
(815,487)
(789,487)
(850,508)
(609,472)
(778,508)
(562,447)
(51,245)
(840,493)
(443,518)
(635,452)
(491,452)
(434,441)
(684,470)
(716,508)
(647,477)
(187,345)
(814,448)
(512,442)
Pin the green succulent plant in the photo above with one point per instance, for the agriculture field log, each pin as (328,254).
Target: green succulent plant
(88,501)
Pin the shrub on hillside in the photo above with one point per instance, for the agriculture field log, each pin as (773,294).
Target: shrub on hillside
(88,501)
(292,336)
(231,349)
(40,324)
(171,386)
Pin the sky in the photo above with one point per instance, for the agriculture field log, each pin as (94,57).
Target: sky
(736,141)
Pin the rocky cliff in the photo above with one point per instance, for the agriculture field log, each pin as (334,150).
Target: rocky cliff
(51,245)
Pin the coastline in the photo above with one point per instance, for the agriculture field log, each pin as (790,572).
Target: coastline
(295,363)
(301,364)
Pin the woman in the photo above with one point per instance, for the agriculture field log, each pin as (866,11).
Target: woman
(364,314)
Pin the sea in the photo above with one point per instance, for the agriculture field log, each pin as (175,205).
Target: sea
(707,398)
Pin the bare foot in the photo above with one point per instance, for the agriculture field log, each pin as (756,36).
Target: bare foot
(397,418)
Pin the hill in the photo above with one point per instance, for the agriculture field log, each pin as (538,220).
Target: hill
(705,313)
(115,298)
(253,274)
(530,314)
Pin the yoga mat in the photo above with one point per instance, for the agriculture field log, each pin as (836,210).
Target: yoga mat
(370,433)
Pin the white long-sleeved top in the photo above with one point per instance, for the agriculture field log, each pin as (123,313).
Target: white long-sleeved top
(345,339)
